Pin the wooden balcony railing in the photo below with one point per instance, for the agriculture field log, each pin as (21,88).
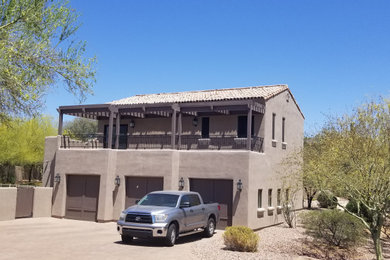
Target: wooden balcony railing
(183,142)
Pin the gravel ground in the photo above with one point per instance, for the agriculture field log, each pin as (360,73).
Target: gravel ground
(277,242)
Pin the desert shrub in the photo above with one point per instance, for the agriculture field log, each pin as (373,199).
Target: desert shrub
(361,211)
(326,199)
(240,238)
(334,227)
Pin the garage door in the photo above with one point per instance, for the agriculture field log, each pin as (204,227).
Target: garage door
(214,190)
(137,187)
(82,197)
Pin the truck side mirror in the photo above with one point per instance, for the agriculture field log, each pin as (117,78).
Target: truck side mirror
(136,202)
(185,204)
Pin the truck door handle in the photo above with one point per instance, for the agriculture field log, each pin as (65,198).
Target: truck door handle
(203,208)
(191,210)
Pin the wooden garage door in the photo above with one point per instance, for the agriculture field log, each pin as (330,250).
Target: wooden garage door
(214,190)
(137,187)
(82,197)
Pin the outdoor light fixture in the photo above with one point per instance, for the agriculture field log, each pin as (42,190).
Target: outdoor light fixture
(195,122)
(239,185)
(57,178)
(181,183)
(117,181)
(132,123)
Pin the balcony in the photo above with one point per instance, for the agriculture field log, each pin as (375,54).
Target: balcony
(183,142)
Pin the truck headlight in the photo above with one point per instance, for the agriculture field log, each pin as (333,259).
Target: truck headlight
(160,217)
(122,216)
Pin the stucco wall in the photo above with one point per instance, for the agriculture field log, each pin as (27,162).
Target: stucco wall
(266,170)
(42,202)
(7,203)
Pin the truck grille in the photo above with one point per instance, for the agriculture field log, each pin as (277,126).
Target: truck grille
(139,218)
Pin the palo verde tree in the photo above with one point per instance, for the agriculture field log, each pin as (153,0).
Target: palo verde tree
(304,168)
(22,141)
(37,51)
(357,163)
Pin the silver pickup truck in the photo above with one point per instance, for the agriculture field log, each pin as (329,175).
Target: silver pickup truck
(166,214)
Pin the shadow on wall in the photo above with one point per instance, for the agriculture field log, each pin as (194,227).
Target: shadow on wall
(236,200)
(114,194)
(48,169)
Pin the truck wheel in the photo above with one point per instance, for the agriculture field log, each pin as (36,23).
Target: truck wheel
(171,235)
(210,228)
(127,239)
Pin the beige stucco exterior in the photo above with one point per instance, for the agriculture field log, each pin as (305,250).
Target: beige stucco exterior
(7,203)
(257,170)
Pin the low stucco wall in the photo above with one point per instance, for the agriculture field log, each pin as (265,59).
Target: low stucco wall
(42,202)
(7,203)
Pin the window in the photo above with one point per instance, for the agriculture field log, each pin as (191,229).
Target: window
(194,200)
(273,126)
(287,195)
(283,125)
(279,202)
(242,126)
(270,198)
(205,127)
(259,198)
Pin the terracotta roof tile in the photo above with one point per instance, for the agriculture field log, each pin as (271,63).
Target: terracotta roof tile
(204,95)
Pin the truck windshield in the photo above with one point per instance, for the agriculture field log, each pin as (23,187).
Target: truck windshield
(163,200)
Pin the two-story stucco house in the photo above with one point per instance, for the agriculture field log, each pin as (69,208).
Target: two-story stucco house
(227,144)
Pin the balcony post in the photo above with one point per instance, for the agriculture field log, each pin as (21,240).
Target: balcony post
(110,129)
(117,130)
(173,137)
(249,129)
(60,121)
(180,126)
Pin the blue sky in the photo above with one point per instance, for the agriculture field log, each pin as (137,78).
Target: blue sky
(332,54)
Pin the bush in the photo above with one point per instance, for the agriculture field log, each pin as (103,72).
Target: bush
(240,238)
(326,199)
(334,227)
(361,211)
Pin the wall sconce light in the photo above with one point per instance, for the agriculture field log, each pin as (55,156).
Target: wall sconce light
(132,123)
(239,185)
(117,181)
(195,122)
(57,178)
(181,183)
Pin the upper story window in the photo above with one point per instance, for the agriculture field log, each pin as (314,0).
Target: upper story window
(279,198)
(273,126)
(283,128)
(205,127)
(242,126)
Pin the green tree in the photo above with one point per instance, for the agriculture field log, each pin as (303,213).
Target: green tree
(81,128)
(357,163)
(22,141)
(37,51)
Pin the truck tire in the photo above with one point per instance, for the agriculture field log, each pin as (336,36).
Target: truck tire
(127,239)
(210,228)
(171,235)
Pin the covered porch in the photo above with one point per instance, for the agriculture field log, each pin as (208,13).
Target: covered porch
(177,116)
